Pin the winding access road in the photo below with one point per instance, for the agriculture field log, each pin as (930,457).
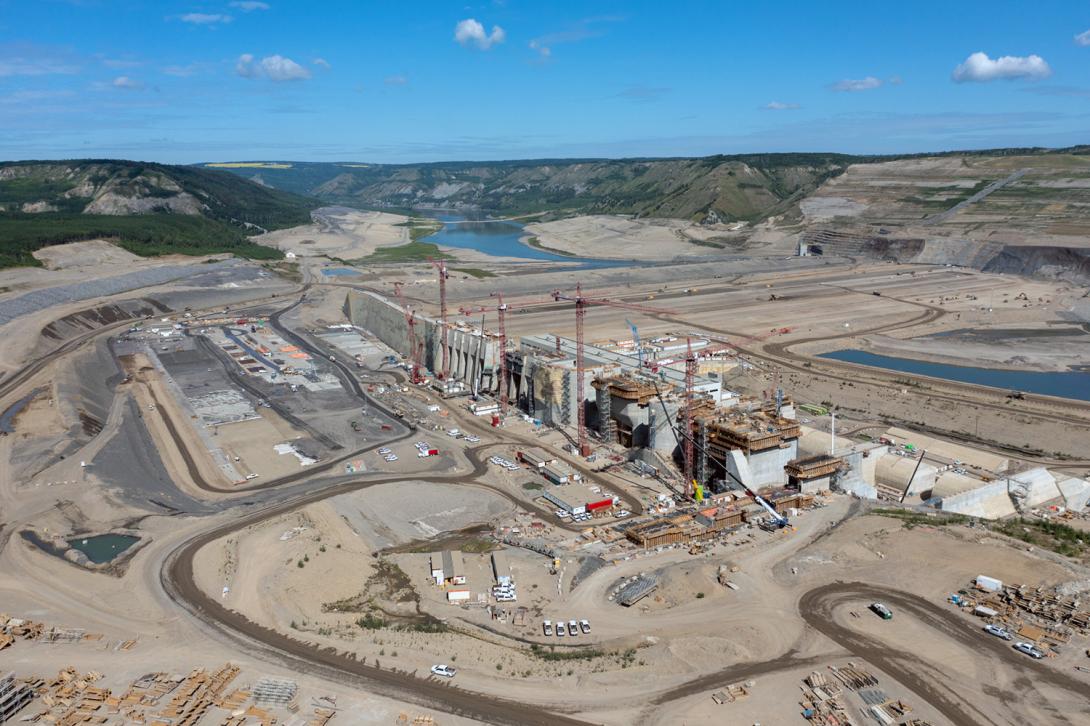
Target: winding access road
(817,606)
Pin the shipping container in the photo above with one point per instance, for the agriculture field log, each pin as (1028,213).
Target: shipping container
(988,583)
(457,595)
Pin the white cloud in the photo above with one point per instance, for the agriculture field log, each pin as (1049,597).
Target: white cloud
(396,80)
(578,31)
(542,50)
(470,32)
(321,63)
(274,67)
(1083,38)
(979,68)
(248,6)
(644,94)
(184,71)
(205,18)
(245,66)
(780,106)
(27,59)
(120,63)
(279,68)
(126,83)
(854,85)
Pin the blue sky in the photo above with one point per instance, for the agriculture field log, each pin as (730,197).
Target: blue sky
(428,81)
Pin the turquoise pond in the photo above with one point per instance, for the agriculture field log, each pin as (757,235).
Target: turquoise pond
(103,547)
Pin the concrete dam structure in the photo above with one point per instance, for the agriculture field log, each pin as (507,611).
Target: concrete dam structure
(473,354)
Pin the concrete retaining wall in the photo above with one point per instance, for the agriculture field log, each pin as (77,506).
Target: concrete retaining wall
(473,358)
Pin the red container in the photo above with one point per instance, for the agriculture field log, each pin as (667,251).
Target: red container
(603,504)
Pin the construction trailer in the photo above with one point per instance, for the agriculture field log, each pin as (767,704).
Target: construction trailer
(437,572)
(557,501)
(501,568)
(535,458)
(454,570)
(457,596)
(555,474)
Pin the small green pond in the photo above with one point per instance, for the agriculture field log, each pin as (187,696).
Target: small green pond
(103,547)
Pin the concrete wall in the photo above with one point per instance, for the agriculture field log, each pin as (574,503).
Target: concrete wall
(812,486)
(472,357)
(1076,493)
(990,501)
(765,468)
(1033,488)
(858,488)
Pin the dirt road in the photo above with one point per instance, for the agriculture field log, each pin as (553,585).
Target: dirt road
(177,579)
(816,608)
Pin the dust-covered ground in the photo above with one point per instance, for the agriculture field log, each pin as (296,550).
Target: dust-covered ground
(617,237)
(340,232)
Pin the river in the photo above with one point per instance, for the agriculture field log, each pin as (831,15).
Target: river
(1065,384)
(499,238)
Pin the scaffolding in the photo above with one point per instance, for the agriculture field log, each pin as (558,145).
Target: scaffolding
(275,690)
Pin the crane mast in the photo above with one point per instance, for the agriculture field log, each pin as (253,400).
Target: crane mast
(581,304)
(690,378)
(444,368)
(410,321)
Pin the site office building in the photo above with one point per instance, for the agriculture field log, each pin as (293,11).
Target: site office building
(447,567)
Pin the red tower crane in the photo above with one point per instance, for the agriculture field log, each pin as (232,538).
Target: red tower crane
(501,315)
(690,376)
(581,304)
(444,369)
(410,320)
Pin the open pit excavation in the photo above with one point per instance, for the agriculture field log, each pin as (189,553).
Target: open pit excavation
(585,408)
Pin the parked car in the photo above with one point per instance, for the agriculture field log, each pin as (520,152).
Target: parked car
(1029,649)
(443,670)
(573,628)
(881,611)
(384,450)
(584,625)
(621,513)
(998,631)
(560,632)
(547,627)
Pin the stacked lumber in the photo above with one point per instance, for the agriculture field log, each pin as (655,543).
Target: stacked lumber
(822,703)
(854,677)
